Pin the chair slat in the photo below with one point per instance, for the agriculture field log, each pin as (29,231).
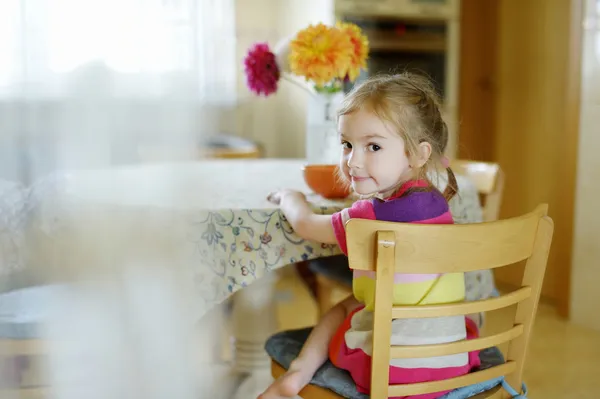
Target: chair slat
(533,276)
(452,383)
(427,248)
(27,393)
(482,174)
(463,308)
(451,348)
(23,346)
(382,327)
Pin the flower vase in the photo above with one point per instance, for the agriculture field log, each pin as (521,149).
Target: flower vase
(322,141)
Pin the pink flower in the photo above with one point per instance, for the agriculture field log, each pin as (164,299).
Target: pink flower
(262,72)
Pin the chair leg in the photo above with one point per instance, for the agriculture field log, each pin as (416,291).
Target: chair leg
(323,289)
(307,276)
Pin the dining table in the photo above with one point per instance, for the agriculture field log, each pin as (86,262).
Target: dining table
(211,220)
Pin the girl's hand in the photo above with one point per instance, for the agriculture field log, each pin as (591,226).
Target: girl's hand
(301,217)
(276,197)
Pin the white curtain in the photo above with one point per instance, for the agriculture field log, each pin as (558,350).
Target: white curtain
(87,83)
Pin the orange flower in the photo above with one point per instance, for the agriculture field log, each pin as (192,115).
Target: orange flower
(360,45)
(321,53)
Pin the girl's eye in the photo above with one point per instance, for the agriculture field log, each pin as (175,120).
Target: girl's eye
(346,145)
(373,147)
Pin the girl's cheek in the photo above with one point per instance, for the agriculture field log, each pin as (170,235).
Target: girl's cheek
(344,159)
(344,167)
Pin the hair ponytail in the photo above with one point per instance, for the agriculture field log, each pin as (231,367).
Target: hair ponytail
(452,187)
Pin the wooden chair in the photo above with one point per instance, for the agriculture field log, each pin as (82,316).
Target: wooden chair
(489,181)
(23,352)
(221,146)
(231,147)
(388,247)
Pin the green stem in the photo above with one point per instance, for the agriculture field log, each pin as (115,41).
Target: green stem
(329,88)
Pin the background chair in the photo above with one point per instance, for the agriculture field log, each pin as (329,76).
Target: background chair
(389,248)
(489,180)
(231,147)
(333,278)
(223,146)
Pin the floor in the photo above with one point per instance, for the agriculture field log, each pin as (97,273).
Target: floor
(563,360)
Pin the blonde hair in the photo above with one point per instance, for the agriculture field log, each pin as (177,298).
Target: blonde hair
(410,103)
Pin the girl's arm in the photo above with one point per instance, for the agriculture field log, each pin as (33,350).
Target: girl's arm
(304,221)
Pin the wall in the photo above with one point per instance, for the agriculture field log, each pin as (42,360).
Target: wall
(256,118)
(585,295)
(276,122)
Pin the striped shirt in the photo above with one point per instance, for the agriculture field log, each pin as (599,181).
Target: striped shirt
(351,347)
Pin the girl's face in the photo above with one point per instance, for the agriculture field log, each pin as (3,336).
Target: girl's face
(374,157)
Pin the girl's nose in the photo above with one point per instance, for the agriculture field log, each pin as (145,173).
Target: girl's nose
(354,160)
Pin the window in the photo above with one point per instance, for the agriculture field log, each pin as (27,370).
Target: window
(44,42)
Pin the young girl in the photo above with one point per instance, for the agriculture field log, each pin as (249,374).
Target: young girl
(392,134)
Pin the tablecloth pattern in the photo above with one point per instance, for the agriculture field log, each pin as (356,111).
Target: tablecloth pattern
(241,245)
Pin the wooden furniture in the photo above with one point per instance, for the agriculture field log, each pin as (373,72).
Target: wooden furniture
(316,392)
(489,180)
(231,147)
(15,372)
(220,146)
(389,248)
(328,290)
(520,91)
(487,177)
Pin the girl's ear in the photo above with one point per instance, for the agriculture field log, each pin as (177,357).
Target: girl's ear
(423,154)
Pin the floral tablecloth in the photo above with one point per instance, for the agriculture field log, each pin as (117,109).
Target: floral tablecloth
(209,218)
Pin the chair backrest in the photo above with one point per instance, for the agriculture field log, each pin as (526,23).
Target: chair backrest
(489,180)
(388,248)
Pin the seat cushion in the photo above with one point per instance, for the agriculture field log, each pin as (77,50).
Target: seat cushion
(333,267)
(285,346)
(23,311)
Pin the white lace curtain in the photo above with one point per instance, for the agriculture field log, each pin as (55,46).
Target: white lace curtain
(42,41)
(83,81)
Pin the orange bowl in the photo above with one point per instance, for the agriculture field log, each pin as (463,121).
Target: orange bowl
(324,180)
